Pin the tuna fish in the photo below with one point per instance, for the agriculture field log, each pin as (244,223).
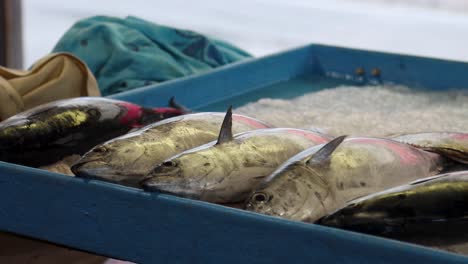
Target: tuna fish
(50,132)
(431,211)
(405,208)
(451,145)
(225,171)
(125,160)
(321,179)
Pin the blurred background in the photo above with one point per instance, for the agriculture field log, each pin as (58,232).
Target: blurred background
(434,28)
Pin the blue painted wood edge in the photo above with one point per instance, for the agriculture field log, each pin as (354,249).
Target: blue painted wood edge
(199,90)
(413,71)
(336,62)
(130,224)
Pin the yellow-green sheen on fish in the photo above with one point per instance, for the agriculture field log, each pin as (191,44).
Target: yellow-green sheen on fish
(432,211)
(435,199)
(226,170)
(321,179)
(50,132)
(128,158)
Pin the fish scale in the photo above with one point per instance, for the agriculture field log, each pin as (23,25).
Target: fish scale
(432,211)
(128,158)
(225,171)
(70,126)
(321,179)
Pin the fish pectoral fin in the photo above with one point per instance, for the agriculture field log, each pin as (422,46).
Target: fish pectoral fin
(323,155)
(225,134)
(419,181)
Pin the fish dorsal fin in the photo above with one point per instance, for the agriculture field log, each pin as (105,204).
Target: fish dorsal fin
(174,104)
(225,134)
(323,155)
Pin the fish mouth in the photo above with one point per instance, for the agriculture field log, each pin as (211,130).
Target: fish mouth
(85,169)
(162,179)
(168,184)
(97,169)
(160,183)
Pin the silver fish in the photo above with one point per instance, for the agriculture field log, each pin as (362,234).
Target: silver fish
(427,201)
(225,171)
(128,158)
(50,132)
(321,179)
(431,211)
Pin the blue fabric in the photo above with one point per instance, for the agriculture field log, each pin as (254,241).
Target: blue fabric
(127,53)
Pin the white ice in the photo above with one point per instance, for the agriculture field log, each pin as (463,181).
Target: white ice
(367,111)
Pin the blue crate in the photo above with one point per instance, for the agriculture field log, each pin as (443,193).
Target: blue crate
(130,224)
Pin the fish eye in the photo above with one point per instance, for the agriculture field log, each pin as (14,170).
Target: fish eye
(169,163)
(260,197)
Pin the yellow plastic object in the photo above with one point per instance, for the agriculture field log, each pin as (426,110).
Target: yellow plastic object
(56,76)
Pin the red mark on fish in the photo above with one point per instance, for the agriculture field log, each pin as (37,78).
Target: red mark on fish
(309,135)
(134,113)
(407,154)
(249,121)
(168,110)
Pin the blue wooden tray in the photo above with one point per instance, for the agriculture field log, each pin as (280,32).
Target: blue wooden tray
(130,224)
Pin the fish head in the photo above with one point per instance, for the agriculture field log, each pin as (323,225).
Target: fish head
(120,161)
(292,192)
(166,177)
(299,189)
(188,174)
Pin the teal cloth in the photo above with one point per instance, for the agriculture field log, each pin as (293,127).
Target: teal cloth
(128,53)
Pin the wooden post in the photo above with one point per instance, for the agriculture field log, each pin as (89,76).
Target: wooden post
(11,44)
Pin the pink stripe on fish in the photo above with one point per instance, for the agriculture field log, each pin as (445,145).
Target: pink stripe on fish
(309,135)
(165,110)
(461,136)
(406,153)
(134,112)
(249,121)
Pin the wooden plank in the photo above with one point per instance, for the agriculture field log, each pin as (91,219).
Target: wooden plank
(11,46)
(130,224)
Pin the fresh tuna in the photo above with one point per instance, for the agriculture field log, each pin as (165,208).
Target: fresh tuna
(50,132)
(431,211)
(226,170)
(321,179)
(127,159)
